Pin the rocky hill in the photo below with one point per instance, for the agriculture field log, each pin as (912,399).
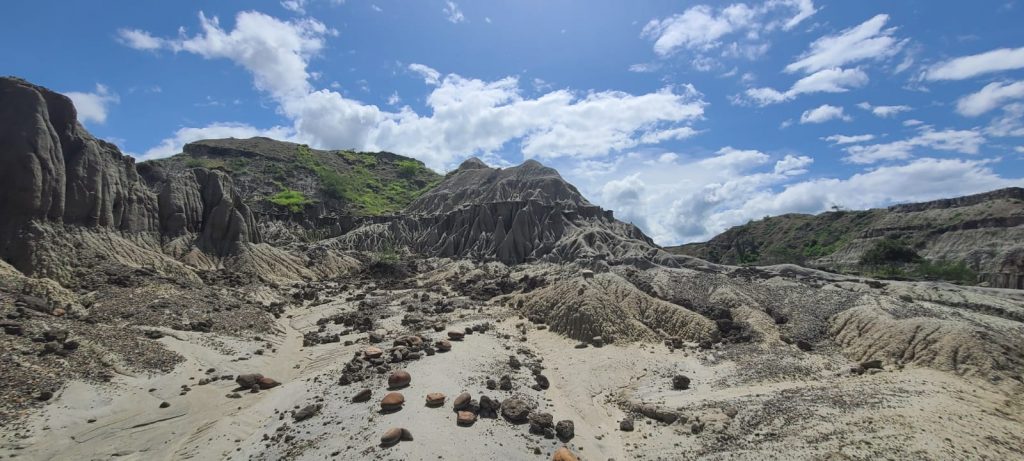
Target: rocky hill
(983,231)
(513,215)
(323,193)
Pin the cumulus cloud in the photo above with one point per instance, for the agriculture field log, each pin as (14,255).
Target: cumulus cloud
(961,141)
(843,139)
(823,113)
(792,165)
(883,111)
(990,97)
(965,67)
(737,29)
(869,40)
(555,124)
(93,106)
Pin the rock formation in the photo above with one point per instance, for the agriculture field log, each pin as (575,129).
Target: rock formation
(513,215)
(56,174)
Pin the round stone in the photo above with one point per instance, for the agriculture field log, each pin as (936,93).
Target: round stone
(399,379)
(392,402)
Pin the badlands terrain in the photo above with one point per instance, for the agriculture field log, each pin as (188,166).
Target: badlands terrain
(261,300)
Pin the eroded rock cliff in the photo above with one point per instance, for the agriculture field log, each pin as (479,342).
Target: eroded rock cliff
(57,174)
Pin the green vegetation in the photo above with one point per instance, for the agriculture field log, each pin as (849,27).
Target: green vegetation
(361,187)
(408,168)
(294,200)
(235,165)
(889,252)
(952,271)
(204,163)
(891,258)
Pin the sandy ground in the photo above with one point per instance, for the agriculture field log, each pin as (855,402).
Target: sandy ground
(826,413)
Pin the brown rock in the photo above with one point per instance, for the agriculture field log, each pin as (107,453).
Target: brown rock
(392,402)
(399,379)
(435,399)
(362,396)
(563,454)
(391,436)
(267,383)
(444,346)
(456,335)
(466,418)
(462,401)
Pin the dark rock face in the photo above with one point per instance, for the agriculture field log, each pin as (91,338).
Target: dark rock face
(54,172)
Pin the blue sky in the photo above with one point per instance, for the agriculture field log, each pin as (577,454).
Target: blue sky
(686,118)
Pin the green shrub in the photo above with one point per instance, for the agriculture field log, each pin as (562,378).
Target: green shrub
(294,200)
(408,168)
(889,252)
(952,271)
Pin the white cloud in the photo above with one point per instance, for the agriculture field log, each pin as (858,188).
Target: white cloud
(738,29)
(430,75)
(1010,123)
(824,81)
(792,165)
(961,141)
(299,6)
(883,111)
(823,113)
(139,39)
(173,145)
(92,107)
(394,99)
(843,139)
(468,116)
(825,58)
(699,27)
(804,10)
(868,40)
(376,8)
(453,13)
(912,122)
(991,96)
(979,64)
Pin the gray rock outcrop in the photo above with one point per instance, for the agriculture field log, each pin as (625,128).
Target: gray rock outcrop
(54,173)
(512,215)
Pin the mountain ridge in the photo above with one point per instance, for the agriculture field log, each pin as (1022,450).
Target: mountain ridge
(983,231)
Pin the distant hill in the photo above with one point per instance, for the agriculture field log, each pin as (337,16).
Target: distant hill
(982,233)
(292,182)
